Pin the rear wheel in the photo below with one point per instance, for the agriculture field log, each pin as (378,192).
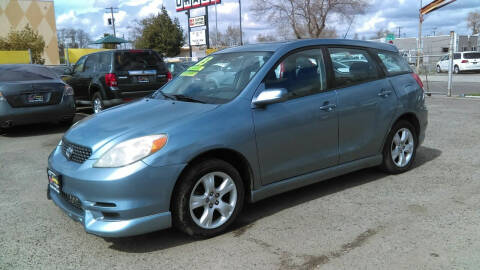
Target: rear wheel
(208,198)
(439,69)
(400,148)
(456,69)
(97,103)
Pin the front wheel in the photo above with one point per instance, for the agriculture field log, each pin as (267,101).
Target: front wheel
(400,148)
(207,199)
(97,103)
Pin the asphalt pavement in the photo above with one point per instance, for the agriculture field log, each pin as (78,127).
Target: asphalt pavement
(427,218)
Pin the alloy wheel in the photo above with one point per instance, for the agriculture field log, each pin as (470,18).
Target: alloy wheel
(213,200)
(402,147)
(97,105)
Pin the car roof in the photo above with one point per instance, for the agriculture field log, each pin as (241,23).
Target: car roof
(294,44)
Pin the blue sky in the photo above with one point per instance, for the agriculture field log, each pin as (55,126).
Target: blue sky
(382,14)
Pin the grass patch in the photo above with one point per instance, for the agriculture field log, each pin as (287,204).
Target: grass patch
(474,94)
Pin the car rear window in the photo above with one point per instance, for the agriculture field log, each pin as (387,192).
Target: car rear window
(471,55)
(9,73)
(137,60)
(394,63)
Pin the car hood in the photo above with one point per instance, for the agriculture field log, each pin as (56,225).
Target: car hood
(131,120)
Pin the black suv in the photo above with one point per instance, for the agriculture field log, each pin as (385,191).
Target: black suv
(108,78)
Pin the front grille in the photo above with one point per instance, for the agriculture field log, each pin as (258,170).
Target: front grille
(72,200)
(76,153)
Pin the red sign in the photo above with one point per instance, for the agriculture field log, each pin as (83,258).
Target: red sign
(189,4)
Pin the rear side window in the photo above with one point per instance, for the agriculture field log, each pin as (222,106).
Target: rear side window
(471,55)
(394,63)
(352,66)
(104,62)
(301,73)
(137,60)
(10,73)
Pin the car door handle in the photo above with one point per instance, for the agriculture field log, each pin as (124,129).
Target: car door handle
(384,93)
(328,107)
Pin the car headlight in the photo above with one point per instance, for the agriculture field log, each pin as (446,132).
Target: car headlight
(131,151)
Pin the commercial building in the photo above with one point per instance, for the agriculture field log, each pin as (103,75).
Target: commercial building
(40,15)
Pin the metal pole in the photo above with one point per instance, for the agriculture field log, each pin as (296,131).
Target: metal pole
(216,25)
(113,22)
(207,32)
(450,64)
(240,13)
(419,42)
(30,55)
(189,40)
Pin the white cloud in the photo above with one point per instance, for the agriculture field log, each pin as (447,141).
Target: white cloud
(370,24)
(153,7)
(135,3)
(228,8)
(66,17)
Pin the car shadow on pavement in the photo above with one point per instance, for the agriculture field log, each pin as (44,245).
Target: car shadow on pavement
(40,129)
(252,212)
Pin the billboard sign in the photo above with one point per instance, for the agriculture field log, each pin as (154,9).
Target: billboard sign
(198,38)
(197,21)
(189,4)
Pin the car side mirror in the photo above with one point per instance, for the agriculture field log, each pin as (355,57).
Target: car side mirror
(68,71)
(270,96)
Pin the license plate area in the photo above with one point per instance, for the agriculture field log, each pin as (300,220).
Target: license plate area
(143,79)
(54,181)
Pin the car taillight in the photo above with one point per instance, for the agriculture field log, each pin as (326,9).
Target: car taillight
(464,61)
(417,78)
(111,79)
(169,76)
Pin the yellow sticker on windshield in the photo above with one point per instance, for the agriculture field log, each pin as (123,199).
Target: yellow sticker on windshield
(189,73)
(196,68)
(204,61)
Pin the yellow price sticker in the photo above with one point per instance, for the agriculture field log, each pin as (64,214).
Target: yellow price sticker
(189,73)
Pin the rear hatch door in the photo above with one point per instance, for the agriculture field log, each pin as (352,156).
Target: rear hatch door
(473,59)
(139,72)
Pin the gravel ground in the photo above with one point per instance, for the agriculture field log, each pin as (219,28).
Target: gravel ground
(427,218)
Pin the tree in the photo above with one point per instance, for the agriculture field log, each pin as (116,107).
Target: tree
(307,18)
(266,38)
(231,37)
(381,33)
(160,33)
(25,39)
(473,21)
(79,38)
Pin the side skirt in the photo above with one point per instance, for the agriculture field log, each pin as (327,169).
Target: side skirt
(313,177)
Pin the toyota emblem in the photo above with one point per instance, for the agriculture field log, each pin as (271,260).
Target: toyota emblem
(69,152)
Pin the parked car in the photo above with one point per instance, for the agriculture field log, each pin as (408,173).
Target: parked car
(33,94)
(463,61)
(193,153)
(109,78)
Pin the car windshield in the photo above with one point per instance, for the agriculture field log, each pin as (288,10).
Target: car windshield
(9,73)
(215,79)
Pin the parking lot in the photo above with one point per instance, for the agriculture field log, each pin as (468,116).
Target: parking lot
(426,218)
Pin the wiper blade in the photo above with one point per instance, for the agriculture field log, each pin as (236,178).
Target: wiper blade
(187,98)
(165,95)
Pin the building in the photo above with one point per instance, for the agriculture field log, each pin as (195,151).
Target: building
(40,15)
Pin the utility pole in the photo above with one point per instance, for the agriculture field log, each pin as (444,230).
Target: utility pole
(450,64)
(112,10)
(240,13)
(399,28)
(434,30)
(207,31)
(189,40)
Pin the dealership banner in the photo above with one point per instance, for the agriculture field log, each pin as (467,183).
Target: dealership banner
(14,57)
(198,38)
(74,54)
(197,21)
(189,4)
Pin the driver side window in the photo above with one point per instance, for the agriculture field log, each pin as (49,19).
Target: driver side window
(301,74)
(79,65)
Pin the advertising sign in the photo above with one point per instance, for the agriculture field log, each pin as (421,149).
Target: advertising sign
(198,38)
(197,21)
(189,4)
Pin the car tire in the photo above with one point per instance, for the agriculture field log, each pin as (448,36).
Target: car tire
(400,148)
(97,103)
(197,206)
(439,70)
(456,70)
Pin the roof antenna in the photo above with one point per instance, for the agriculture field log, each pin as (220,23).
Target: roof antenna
(348,29)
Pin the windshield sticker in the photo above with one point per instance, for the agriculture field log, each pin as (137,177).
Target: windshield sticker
(196,68)
(204,61)
(189,73)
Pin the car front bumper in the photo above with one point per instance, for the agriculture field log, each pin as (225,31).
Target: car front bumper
(114,202)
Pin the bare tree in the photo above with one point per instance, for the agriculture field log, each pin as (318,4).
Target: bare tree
(266,38)
(381,33)
(307,18)
(473,21)
(79,38)
(231,37)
